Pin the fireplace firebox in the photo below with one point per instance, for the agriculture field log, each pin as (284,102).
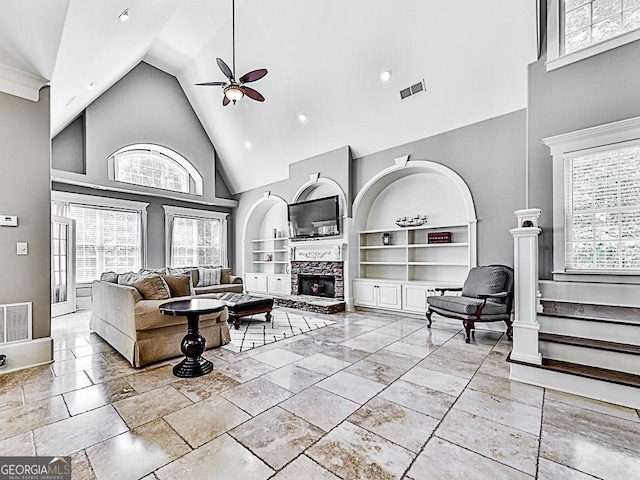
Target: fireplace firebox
(317,285)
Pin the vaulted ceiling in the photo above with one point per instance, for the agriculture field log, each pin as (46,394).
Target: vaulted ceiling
(324,58)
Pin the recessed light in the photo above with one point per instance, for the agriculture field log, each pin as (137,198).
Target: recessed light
(247,145)
(124,16)
(385,75)
(303,117)
(90,86)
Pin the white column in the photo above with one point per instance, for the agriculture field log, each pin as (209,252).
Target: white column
(525,251)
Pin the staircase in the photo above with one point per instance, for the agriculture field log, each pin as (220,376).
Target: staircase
(588,350)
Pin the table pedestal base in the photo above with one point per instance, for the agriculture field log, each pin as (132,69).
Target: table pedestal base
(193,367)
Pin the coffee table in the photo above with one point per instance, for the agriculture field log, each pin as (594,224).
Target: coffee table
(193,344)
(242,305)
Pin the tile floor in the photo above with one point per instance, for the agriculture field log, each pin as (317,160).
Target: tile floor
(374,396)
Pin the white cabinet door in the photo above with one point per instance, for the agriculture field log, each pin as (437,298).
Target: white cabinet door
(414,298)
(364,294)
(279,284)
(256,282)
(389,295)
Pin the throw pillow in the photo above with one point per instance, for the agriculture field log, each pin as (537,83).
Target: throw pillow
(225,273)
(179,285)
(151,287)
(111,277)
(208,277)
(193,272)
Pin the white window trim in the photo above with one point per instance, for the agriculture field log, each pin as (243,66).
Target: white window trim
(115,203)
(555,60)
(602,137)
(170,212)
(196,183)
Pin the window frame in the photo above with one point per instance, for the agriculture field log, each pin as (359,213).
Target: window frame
(557,59)
(194,179)
(610,136)
(171,212)
(92,201)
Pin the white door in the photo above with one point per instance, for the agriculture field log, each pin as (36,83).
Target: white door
(389,296)
(365,294)
(63,283)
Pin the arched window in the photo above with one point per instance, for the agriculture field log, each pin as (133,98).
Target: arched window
(154,166)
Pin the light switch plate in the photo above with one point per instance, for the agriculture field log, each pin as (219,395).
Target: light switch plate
(22,248)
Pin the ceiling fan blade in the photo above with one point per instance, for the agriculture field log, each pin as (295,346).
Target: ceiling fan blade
(225,68)
(253,76)
(225,101)
(211,84)
(251,93)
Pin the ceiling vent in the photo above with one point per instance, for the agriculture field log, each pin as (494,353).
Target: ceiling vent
(412,90)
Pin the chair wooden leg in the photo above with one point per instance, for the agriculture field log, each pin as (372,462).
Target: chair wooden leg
(468,326)
(509,329)
(428,314)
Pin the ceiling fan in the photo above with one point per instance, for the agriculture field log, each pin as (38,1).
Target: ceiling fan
(235,89)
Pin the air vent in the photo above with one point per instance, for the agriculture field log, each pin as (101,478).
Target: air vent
(412,90)
(15,322)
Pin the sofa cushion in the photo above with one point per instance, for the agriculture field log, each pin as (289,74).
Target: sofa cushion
(231,287)
(111,277)
(465,305)
(151,287)
(484,280)
(192,271)
(179,285)
(208,276)
(152,271)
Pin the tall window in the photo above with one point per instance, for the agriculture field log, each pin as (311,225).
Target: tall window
(602,206)
(195,237)
(154,166)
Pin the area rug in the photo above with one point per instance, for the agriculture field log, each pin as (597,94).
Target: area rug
(255,332)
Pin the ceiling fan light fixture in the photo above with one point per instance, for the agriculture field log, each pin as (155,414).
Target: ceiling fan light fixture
(233,93)
(124,16)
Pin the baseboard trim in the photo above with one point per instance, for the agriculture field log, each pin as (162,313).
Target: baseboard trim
(27,354)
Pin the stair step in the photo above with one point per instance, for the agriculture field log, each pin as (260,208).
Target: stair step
(590,343)
(594,373)
(594,313)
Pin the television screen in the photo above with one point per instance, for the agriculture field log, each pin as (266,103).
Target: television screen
(315,218)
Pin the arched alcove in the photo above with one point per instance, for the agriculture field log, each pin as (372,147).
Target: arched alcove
(400,275)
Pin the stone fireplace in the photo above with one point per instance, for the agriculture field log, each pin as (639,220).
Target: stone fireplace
(317,278)
(317,285)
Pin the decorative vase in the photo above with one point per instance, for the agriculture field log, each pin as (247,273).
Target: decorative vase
(386,239)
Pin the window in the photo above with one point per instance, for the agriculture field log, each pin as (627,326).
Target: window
(596,203)
(109,234)
(602,206)
(195,237)
(154,166)
(578,29)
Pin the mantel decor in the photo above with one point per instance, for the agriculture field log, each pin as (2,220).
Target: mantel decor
(415,221)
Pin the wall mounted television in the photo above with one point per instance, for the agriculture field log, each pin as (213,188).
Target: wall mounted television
(315,218)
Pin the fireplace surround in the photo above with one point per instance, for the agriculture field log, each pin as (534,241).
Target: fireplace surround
(326,276)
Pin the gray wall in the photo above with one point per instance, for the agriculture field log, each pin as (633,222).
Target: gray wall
(25,157)
(489,156)
(594,91)
(145,106)
(155,218)
(67,148)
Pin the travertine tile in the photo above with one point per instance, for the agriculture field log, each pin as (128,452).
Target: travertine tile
(548,470)
(501,387)
(351,387)
(278,357)
(352,452)
(35,391)
(322,364)
(399,329)
(588,455)
(394,359)
(450,366)
(503,444)
(246,370)
(256,396)
(466,352)
(418,351)
(421,399)
(78,364)
(370,341)
(92,349)
(109,372)
(32,415)
(22,377)
(11,397)
(153,378)
(319,407)
(199,388)
(441,459)
(293,378)
(377,372)
(344,353)
(398,424)
(443,382)
(21,445)
(79,432)
(95,396)
(205,420)
(276,436)
(80,467)
(60,355)
(222,458)
(507,412)
(590,404)
(150,405)
(304,468)
(137,453)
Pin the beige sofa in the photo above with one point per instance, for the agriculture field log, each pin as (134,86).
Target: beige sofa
(136,328)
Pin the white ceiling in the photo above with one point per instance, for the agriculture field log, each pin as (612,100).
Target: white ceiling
(324,58)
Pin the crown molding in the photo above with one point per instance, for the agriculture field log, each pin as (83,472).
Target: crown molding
(20,83)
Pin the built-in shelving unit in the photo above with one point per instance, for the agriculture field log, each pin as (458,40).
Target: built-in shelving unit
(270,255)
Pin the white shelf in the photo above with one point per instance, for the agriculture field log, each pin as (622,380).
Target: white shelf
(381,247)
(421,227)
(404,264)
(281,250)
(270,262)
(440,264)
(280,239)
(435,245)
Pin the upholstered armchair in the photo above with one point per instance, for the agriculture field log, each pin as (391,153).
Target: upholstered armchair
(487,296)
